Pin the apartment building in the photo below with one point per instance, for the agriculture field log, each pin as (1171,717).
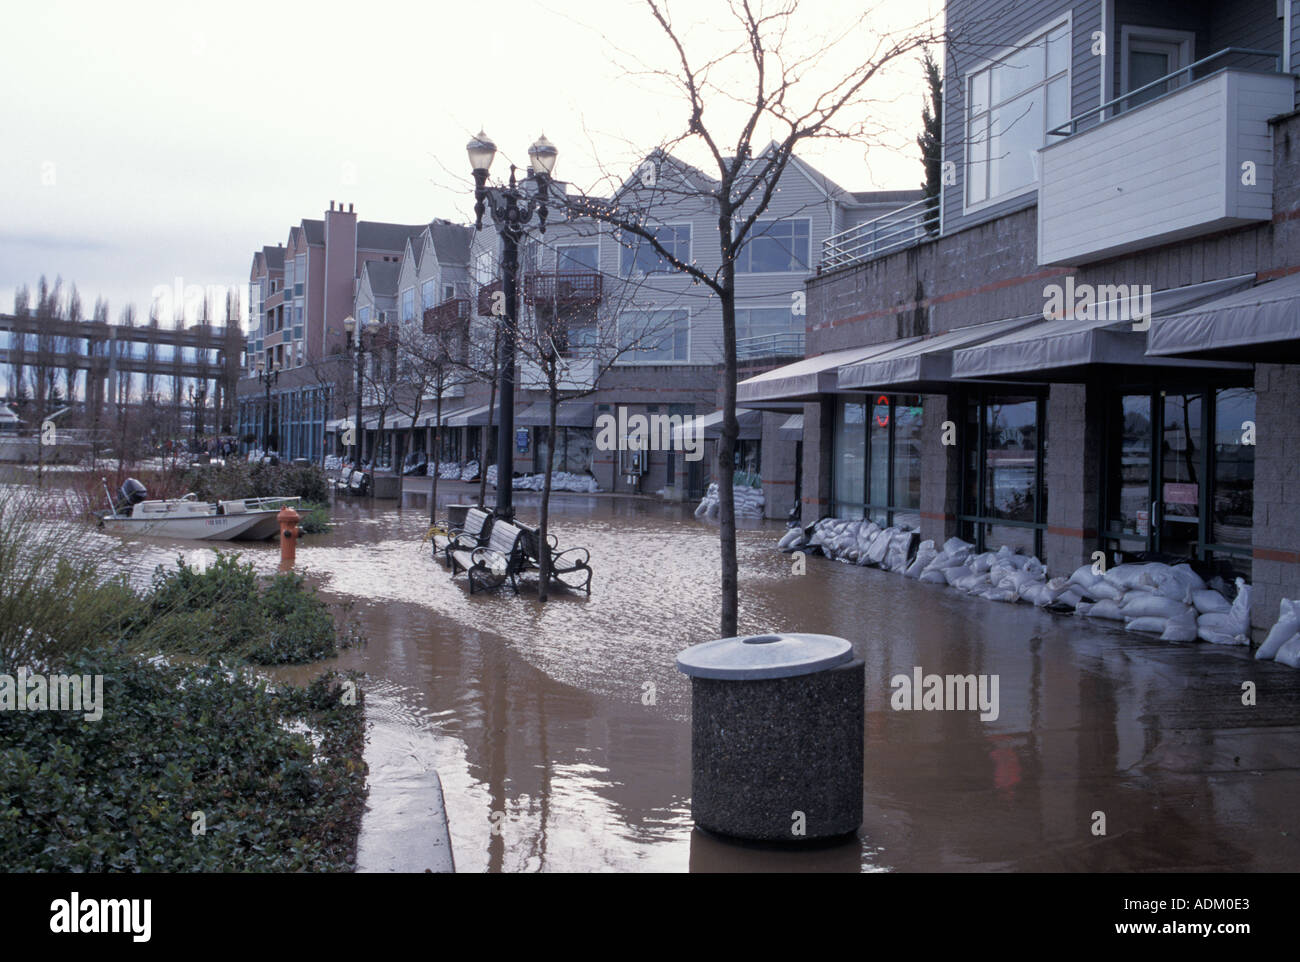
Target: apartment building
(1096,350)
(612,288)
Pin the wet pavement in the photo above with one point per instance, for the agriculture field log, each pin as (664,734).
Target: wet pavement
(534,716)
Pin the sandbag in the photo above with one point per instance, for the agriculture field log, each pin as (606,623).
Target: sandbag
(1148,623)
(1143,604)
(953,545)
(1219,637)
(981,564)
(975,580)
(1289,654)
(1130,577)
(1070,597)
(955,574)
(899,551)
(1181,627)
(933,577)
(1208,600)
(791,539)
(1287,627)
(1000,594)
(1103,609)
(1084,576)
(1102,590)
(1036,568)
(925,553)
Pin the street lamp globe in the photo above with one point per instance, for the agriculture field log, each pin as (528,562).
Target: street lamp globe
(349,323)
(481,150)
(543,154)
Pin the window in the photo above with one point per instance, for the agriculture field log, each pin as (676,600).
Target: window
(577,257)
(408,304)
(448,291)
(1004,495)
(651,336)
(766,322)
(426,294)
(288,276)
(1011,104)
(639,256)
(1151,53)
(483,268)
(775,246)
(877,469)
(299,274)
(363,315)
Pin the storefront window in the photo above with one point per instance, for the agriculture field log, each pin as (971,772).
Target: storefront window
(1233,506)
(1005,497)
(575,449)
(878,459)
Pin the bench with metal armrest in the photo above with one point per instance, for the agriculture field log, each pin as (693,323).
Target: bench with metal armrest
(491,566)
(472,534)
(570,568)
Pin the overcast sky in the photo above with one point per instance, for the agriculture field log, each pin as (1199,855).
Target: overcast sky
(145,141)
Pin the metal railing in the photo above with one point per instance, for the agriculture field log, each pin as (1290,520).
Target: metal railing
(442,316)
(566,287)
(1071,126)
(904,227)
(789,344)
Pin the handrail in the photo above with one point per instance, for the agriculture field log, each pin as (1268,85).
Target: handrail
(1073,122)
(785,344)
(895,229)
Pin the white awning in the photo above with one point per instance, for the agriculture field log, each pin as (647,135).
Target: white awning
(1260,323)
(805,380)
(710,426)
(1054,349)
(792,428)
(924,363)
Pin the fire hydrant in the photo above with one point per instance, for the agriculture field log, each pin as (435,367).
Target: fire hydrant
(289,535)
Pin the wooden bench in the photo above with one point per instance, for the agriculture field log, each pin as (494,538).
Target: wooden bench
(570,568)
(501,560)
(472,534)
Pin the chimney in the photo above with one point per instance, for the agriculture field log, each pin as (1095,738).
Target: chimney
(349,207)
(331,205)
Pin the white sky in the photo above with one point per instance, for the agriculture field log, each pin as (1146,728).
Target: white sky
(147,141)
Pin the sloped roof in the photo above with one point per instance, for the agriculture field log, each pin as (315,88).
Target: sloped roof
(315,231)
(274,258)
(372,235)
(383,276)
(451,242)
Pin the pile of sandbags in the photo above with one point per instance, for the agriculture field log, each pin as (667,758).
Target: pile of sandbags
(859,543)
(1283,642)
(447,471)
(748,502)
(1001,575)
(1171,601)
(560,481)
(333,462)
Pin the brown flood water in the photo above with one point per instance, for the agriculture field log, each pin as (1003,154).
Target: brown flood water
(535,712)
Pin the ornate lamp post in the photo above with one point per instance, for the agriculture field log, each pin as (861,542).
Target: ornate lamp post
(512,208)
(357,333)
(267,378)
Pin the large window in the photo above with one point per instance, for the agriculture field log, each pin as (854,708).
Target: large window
(428,291)
(775,246)
(653,336)
(639,256)
(877,471)
(408,304)
(299,274)
(1011,104)
(1004,495)
(766,321)
(577,257)
(1179,475)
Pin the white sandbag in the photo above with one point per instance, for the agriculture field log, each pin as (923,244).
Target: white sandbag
(953,545)
(1230,627)
(925,553)
(981,563)
(1287,627)
(1289,654)
(1144,604)
(896,554)
(1036,568)
(880,547)
(1102,590)
(933,577)
(1181,627)
(703,508)
(1217,621)
(791,539)
(1070,597)
(1219,637)
(955,574)
(1208,600)
(1084,576)
(1185,573)
(974,581)
(1103,609)
(1148,623)
(1000,594)
(1130,577)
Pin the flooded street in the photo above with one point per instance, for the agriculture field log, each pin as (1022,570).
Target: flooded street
(533,716)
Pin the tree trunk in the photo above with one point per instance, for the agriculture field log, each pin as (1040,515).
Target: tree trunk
(437,456)
(543,543)
(730,432)
(484,447)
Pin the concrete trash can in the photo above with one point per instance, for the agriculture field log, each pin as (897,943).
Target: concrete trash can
(776,736)
(456,514)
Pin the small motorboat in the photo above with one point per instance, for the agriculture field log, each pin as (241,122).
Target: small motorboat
(249,519)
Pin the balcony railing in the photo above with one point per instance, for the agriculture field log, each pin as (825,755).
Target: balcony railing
(1071,126)
(443,316)
(563,287)
(789,344)
(904,227)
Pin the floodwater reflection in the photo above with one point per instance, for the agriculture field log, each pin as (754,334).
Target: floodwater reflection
(535,716)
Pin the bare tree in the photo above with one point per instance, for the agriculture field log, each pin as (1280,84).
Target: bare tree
(786,96)
(18,344)
(71,347)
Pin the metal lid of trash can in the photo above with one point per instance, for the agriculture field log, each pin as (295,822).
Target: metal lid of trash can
(783,655)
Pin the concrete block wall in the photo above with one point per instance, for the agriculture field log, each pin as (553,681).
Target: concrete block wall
(1275,566)
(940,469)
(779,468)
(1072,475)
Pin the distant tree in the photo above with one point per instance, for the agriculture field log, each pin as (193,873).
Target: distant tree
(930,140)
(71,347)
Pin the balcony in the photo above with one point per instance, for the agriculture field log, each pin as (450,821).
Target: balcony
(1192,161)
(576,374)
(485,294)
(443,317)
(563,288)
(905,227)
(770,346)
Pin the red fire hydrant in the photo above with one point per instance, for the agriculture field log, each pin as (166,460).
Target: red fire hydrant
(289,534)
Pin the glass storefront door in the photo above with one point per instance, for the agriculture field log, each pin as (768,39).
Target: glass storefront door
(1181,475)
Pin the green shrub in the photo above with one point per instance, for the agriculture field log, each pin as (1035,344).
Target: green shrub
(315,518)
(239,479)
(119,794)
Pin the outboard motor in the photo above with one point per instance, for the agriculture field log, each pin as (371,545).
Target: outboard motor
(132,493)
